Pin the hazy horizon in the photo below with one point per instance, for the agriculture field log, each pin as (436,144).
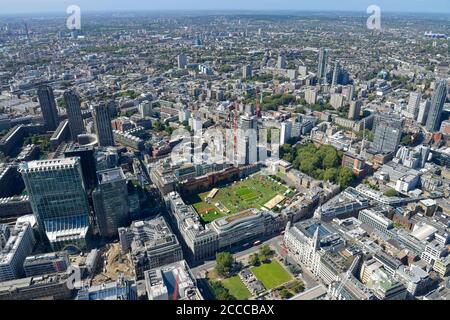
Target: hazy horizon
(59,6)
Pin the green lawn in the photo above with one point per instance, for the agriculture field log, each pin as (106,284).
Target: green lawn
(271,275)
(237,288)
(211,216)
(253,192)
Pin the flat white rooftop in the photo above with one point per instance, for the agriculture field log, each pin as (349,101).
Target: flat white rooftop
(54,164)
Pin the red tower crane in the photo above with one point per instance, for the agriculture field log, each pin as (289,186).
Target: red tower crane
(235,130)
(258,106)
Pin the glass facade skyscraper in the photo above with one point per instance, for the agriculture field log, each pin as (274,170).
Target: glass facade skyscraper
(322,66)
(388,132)
(437,105)
(59,201)
(111,202)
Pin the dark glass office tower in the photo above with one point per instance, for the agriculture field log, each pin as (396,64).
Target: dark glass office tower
(111,202)
(87,160)
(388,132)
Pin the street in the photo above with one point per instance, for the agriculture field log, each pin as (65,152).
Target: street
(275,243)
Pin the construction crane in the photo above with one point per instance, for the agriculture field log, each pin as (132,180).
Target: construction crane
(346,278)
(258,105)
(364,137)
(235,130)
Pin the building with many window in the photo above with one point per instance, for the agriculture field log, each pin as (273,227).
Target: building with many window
(388,131)
(19,245)
(102,125)
(151,244)
(59,201)
(48,107)
(48,263)
(437,105)
(121,289)
(48,287)
(172,282)
(74,116)
(110,200)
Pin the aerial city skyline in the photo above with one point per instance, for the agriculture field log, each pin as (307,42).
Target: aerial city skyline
(225,155)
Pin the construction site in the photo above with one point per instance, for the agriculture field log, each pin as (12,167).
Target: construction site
(112,263)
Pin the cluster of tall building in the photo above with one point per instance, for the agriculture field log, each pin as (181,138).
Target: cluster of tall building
(428,112)
(336,75)
(101,115)
(59,189)
(59,199)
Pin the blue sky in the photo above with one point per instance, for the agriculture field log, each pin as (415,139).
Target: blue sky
(29,6)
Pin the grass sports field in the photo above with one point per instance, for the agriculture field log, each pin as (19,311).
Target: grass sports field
(271,275)
(237,288)
(253,192)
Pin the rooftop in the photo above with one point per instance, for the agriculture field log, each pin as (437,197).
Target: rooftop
(49,165)
(110,175)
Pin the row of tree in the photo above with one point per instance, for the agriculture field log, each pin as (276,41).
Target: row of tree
(323,163)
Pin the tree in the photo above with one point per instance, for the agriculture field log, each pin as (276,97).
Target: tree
(254,260)
(309,162)
(331,159)
(220,292)
(330,175)
(285,294)
(224,263)
(226,68)
(265,250)
(61,103)
(345,177)
(298,286)
(158,126)
(285,149)
(406,140)
(391,193)
(288,157)
(169,130)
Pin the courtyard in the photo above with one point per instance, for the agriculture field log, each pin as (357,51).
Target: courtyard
(256,191)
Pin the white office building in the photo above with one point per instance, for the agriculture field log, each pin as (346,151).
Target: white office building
(19,245)
(172,282)
(286,130)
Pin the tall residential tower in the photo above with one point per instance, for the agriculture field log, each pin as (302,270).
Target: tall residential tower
(103,127)
(73,108)
(48,107)
(437,105)
(322,66)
